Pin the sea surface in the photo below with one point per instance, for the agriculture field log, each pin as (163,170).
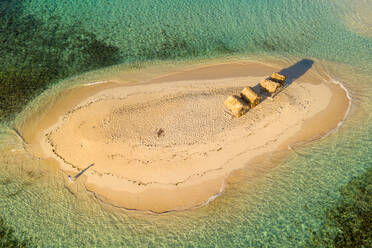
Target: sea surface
(43,42)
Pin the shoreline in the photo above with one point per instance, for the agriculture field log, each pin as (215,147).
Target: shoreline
(196,190)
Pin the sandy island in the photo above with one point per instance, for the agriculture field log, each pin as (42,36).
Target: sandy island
(116,126)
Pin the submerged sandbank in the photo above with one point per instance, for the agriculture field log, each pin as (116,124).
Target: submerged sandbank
(116,125)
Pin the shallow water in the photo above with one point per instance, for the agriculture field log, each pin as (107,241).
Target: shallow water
(279,208)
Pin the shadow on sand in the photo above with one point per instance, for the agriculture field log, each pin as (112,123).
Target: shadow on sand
(292,73)
(297,70)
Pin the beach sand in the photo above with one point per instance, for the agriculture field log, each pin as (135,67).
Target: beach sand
(165,142)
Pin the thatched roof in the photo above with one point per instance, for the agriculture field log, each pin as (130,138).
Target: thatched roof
(250,96)
(276,77)
(236,106)
(270,86)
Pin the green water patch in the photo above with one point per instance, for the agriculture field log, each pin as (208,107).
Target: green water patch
(349,222)
(145,30)
(37,53)
(357,15)
(9,240)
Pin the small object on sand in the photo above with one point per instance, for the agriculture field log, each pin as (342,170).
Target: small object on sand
(250,96)
(160,132)
(276,77)
(270,86)
(69,178)
(81,172)
(236,105)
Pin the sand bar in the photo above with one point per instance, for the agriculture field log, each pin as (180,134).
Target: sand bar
(165,142)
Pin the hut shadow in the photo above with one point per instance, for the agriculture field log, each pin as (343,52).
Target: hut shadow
(296,70)
(292,73)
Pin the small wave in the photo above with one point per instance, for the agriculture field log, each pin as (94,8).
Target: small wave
(222,188)
(94,83)
(291,147)
(347,111)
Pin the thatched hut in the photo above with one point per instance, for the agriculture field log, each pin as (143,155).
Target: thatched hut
(276,77)
(270,86)
(236,106)
(250,96)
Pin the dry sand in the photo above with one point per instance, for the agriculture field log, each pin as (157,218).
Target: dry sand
(116,126)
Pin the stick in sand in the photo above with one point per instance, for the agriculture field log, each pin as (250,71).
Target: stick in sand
(79,174)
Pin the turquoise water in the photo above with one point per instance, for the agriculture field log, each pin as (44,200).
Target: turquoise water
(163,29)
(47,41)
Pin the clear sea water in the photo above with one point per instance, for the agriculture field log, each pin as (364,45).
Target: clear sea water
(280,208)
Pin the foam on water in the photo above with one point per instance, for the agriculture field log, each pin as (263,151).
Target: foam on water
(347,111)
(94,83)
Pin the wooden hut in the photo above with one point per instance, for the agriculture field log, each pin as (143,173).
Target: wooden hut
(276,77)
(250,96)
(270,86)
(236,106)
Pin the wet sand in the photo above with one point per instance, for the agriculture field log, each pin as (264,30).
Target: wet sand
(163,142)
